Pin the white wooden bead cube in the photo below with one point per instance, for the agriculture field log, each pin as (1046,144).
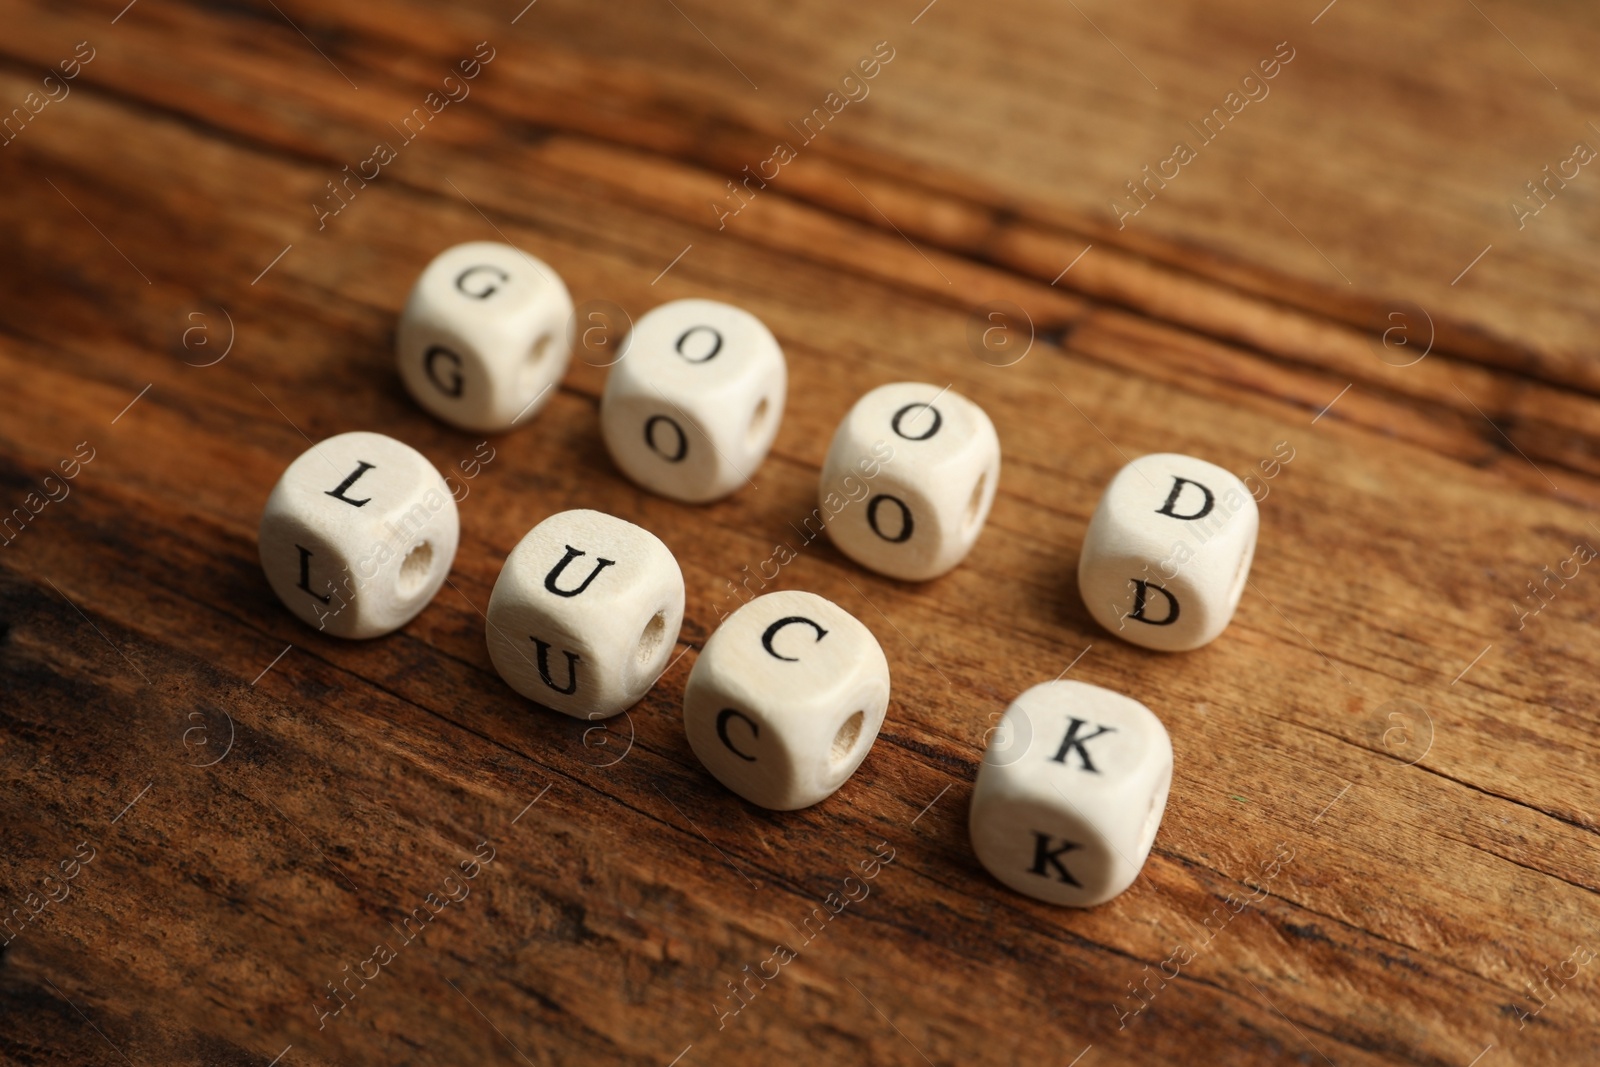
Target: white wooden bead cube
(786,699)
(934,460)
(483,340)
(585,613)
(358,535)
(1168,552)
(693,405)
(1070,793)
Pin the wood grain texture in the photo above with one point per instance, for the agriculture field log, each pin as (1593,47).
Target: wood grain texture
(264,805)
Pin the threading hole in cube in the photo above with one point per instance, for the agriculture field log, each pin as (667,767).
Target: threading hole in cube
(844,742)
(758,424)
(975,502)
(533,366)
(650,638)
(1152,819)
(540,347)
(414,570)
(1236,588)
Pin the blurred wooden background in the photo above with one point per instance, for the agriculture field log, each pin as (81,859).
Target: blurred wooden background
(249,808)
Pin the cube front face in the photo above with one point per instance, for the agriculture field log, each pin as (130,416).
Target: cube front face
(691,408)
(1070,793)
(585,614)
(934,463)
(358,535)
(786,699)
(484,336)
(1168,551)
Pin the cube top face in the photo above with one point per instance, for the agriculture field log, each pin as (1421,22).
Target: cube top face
(585,614)
(484,336)
(1168,551)
(693,405)
(358,535)
(786,699)
(917,513)
(1070,793)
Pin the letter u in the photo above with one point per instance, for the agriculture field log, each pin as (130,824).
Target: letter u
(544,668)
(555,572)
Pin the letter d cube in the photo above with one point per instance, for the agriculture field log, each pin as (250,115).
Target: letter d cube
(1168,552)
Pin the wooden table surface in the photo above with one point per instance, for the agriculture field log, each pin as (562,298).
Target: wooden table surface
(1380,846)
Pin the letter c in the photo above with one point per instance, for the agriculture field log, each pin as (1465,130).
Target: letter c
(772,631)
(722,731)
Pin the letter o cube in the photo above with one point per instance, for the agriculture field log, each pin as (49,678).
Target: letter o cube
(1070,793)
(483,339)
(786,699)
(921,512)
(692,406)
(585,613)
(358,535)
(1168,552)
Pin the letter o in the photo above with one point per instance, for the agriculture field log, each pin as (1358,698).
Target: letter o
(675,456)
(938,421)
(906,524)
(716,343)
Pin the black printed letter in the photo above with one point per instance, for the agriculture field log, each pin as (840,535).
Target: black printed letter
(716,343)
(572,554)
(772,631)
(1177,491)
(1073,741)
(450,386)
(1141,589)
(905,518)
(1044,854)
(938,420)
(544,668)
(650,438)
(488,290)
(338,493)
(305,574)
(722,730)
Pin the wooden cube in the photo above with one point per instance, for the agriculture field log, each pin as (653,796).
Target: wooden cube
(1070,793)
(1168,551)
(909,480)
(483,340)
(358,535)
(786,699)
(585,614)
(693,404)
